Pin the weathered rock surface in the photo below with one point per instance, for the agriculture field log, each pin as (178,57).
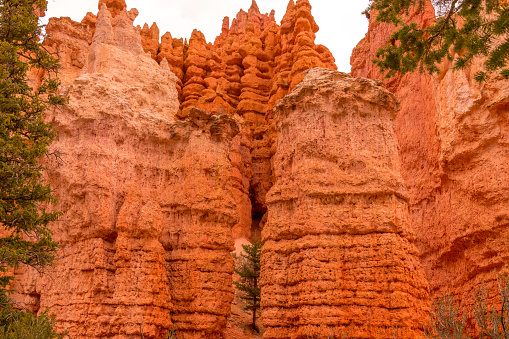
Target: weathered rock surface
(338,253)
(253,63)
(148,210)
(153,206)
(71,42)
(454,151)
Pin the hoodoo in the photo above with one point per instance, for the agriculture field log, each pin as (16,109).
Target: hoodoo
(146,232)
(337,255)
(176,151)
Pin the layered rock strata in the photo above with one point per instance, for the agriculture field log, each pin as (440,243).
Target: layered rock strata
(250,66)
(338,254)
(71,42)
(146,231)
(453,147)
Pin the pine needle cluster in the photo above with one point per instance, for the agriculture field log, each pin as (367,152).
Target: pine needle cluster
(24,140)
(462,31)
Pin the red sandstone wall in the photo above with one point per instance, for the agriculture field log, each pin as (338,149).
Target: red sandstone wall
(151,206)
(338,253)
(252,64)
(146,231)
(453,138)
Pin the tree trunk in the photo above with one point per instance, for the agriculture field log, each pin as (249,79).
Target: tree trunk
(253,325)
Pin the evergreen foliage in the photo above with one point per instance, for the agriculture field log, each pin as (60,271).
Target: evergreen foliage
(249,272)
(27,326)
(462,31)
(24,139)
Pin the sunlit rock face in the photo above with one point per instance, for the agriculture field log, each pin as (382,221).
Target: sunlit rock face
(453,135)
(338,254)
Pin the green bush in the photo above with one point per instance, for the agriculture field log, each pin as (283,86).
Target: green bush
(23,325)
(446,322)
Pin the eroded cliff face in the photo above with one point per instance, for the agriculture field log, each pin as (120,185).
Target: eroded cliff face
(338,254)
(252,64)
(174,150)
(453,137)
(155,190)
(146,231)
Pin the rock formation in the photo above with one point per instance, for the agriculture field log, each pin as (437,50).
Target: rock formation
(150,39)
(250,66)
(453,148)
(171,149)
(337,252)
(146,232)
(71,42)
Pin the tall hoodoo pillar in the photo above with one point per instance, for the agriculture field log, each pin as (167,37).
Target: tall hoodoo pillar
(338,254)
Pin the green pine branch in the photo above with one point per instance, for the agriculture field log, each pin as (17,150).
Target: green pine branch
(24,140)
(464,30)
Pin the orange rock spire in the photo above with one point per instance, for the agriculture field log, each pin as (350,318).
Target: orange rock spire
(338,254)
(114,6)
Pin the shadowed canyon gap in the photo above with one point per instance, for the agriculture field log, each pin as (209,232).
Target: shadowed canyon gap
(175,152)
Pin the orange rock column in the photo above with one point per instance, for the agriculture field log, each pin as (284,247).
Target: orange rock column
(150,39)
(338,256)
(195,65)
(173,51)
(200,212)
(142,296)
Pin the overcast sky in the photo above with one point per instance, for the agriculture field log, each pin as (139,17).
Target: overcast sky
(341,23)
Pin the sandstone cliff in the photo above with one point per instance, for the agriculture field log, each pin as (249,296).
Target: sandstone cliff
(152,206)
(453,139)
(174,150)
(338,256)
(146,232)
(251,65)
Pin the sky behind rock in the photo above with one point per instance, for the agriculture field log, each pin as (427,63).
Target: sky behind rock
(341,23)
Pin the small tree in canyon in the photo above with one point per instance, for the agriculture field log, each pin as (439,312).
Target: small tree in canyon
(462,31)
(24,139)
(249,273)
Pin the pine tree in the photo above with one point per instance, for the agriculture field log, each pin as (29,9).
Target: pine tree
(462,31)
(24,140)
(249,272)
